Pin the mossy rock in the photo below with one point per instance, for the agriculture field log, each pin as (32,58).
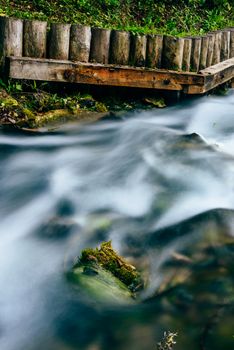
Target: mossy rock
(106,276)
(100,285)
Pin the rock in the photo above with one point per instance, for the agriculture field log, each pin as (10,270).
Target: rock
(105,276)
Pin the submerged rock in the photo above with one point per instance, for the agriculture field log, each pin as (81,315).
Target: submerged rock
(105,276)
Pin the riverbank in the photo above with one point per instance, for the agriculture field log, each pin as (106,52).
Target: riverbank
(28,104)
(167,17)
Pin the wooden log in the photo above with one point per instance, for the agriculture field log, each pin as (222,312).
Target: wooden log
(172,57)
(35,33)
(232,83)
(225,45)
(11,39)
(204,52)
(80,41)
(59,38)
(154,51)
(210,49)
(231,42)
(138,50)
(217,47)
(196,53)
(119,47)
(187,54)
(100,45)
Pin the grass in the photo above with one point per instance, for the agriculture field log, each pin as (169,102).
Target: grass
(148,16)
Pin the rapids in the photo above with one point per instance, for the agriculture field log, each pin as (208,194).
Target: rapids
(160,185)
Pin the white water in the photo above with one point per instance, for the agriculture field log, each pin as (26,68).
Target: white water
(140,174)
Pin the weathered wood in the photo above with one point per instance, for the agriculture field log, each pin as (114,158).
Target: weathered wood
(120,47)
(210,49)
(204,52)
(154,51)
(195,54)
(100,45)
(11,39)
(138,50)
(232,83)
(213,77)
(59,38)
(87,73)
(187,54)
(217,47)
(225,45)
(80,41)
(35,33)
(172,57)
(232,43)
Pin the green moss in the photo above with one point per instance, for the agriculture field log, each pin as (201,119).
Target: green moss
(100,107)
(107,258)
(8,102)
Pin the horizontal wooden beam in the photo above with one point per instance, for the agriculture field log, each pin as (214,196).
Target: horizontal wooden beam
(214,76)
(98,74)
(125,76)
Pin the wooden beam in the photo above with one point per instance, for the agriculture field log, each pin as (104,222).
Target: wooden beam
(214,76)
(98,74)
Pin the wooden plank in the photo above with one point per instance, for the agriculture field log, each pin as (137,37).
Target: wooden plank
(213,77)
(97,74)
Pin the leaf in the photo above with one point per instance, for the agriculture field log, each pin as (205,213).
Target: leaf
(18,87)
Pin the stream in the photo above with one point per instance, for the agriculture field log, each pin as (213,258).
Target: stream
(160,185)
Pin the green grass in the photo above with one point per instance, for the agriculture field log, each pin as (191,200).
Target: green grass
(142,16)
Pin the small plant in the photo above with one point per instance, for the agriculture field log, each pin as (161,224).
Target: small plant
(168,341)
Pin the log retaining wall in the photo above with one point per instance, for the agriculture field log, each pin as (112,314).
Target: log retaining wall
(79,43)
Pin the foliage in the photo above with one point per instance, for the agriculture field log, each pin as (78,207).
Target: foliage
(168,341)
(148,16)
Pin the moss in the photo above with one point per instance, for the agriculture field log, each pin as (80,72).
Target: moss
(101,107)
(107,258)
(155,102)
(8,102)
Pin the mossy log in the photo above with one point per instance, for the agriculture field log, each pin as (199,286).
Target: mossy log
(138,50)
(80,40)
(59,39)
(106,276)
(120,47)
(172,57)
(154,51)
(35,33)
(100,45)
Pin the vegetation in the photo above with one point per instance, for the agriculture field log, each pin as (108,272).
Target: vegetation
(176,17)
(105,277)
(168,341)
(33,104)
(108,259)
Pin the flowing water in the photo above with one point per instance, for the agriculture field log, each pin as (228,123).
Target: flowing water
(160,185)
